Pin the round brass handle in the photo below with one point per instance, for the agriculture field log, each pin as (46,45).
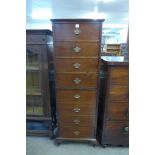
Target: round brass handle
(76,133)
(76,109)
(77,80)
(76,121)
(76,96)
(126,130)
(76,49)
(77,31)
(76,65)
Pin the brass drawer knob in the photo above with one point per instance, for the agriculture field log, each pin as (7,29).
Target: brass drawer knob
(76,109)
(76,96)
(77,29)
(76,133)
(126,130)
(77,80)
(76,49)
(76,121)
(76,65)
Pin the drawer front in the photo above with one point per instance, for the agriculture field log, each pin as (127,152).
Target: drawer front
(116,133)
(76,80)
(36,39)
(119,93)
(75,132)
(76,121)
(120,75)
(76,49)
(117,111)
(77,65)
(66,97)
(76,109)
(69,32)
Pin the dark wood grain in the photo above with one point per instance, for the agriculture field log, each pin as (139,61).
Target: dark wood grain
(84,109)
(67,97)
(118,92)
(66,49)
(114,104)
(115,134)
(36,39)
(117,111)
(87,32)
(88,40)
(85,80)
(120,75)
(38,36)
(35,48)
(68,132)
(37,42)
(37,133)
(86,65)
(76,121)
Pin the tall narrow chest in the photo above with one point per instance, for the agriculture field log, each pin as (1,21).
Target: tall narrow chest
(76,62)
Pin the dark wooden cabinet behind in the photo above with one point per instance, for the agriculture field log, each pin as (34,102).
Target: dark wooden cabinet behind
(38,108)
(76,61)
(113,120)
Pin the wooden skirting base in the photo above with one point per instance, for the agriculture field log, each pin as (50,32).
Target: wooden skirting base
(60,140)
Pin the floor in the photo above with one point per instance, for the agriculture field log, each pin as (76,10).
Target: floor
(46,146)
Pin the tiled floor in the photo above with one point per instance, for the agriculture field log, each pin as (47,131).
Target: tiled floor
(46,146)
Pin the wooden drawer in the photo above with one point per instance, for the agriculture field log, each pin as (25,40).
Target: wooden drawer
(76,49)
(36,39)
(76,109)
(118,93)
(75,80)
(77,65)
(75,132)
(65,32)
(66,97)
(120,75)
(76,121)
(117,111)
(116,133)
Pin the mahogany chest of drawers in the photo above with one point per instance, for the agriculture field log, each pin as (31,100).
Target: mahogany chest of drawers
(76,62)
(113,120)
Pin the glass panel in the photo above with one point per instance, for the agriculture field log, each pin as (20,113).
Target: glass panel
(29,110)
(34,99)
(34,105)
(38,110)
(32,61)
(33,83)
